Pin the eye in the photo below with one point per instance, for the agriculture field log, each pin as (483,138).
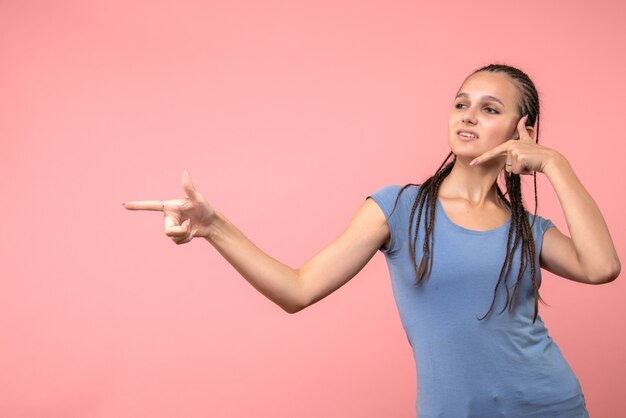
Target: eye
(459,105)
(491,110)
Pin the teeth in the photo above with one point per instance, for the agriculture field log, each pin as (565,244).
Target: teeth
(468,135)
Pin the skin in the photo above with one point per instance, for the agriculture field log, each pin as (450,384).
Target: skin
(589,255)
(468,195)
(486,104)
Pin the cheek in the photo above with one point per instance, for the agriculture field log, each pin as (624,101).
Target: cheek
(500,131)
(451,123)
(451,118)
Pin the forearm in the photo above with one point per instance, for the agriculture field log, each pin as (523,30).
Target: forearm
(275,280)
(585,222)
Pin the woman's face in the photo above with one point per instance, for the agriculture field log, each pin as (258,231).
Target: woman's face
(484,114)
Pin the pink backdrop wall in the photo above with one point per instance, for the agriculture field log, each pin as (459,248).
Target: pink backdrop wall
(287,114)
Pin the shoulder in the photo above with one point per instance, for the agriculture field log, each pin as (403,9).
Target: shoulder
(538,223)
(395,201)
(395,192)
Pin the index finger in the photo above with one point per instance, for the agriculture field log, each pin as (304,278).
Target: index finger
(499,150)
(157,205)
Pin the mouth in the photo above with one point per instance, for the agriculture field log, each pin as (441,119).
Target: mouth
(467,135)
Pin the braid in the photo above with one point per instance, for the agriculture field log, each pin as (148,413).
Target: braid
(430,193)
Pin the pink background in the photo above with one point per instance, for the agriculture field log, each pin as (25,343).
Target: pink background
(287,114)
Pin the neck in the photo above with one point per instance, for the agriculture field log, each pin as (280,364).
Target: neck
(476,184)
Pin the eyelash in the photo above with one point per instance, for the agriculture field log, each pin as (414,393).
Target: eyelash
(492,111)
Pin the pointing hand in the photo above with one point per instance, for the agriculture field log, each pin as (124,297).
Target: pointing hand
(523,154)
(184,218)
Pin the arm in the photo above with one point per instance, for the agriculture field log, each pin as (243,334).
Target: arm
(589,256)
(291,289)
(332,267)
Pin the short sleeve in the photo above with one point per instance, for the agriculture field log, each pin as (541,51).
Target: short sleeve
(546,224)
(540,227)
(385,197)
(541,224)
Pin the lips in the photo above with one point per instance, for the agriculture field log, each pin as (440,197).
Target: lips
(467,134)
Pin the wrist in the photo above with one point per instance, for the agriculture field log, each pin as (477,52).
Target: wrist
(215,228)
(557,162)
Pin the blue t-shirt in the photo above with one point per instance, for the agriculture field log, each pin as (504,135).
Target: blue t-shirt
(501,366)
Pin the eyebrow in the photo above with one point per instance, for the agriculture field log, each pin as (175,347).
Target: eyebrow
(492,98)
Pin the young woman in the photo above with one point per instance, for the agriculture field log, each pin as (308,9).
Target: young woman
(459,252)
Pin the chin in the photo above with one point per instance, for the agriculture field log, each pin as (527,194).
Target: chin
(464,153)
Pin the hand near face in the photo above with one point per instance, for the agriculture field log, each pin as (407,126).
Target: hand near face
(184,218)
(523,155)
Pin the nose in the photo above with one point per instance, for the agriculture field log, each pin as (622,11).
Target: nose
(469,117)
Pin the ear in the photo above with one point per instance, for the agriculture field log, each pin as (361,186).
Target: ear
(531,132)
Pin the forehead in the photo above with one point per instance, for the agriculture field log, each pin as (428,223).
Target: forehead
(485,83)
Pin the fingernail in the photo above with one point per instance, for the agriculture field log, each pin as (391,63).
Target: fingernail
(473,162)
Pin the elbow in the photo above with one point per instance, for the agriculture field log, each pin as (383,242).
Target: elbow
(296,305)
(617,268)
(296,300)
(608,274)
(293,308)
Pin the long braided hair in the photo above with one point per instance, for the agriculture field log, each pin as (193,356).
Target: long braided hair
(520,231)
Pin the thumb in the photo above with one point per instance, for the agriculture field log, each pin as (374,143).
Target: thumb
(188,186)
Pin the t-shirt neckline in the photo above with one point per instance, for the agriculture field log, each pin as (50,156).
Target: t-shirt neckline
(470,231)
